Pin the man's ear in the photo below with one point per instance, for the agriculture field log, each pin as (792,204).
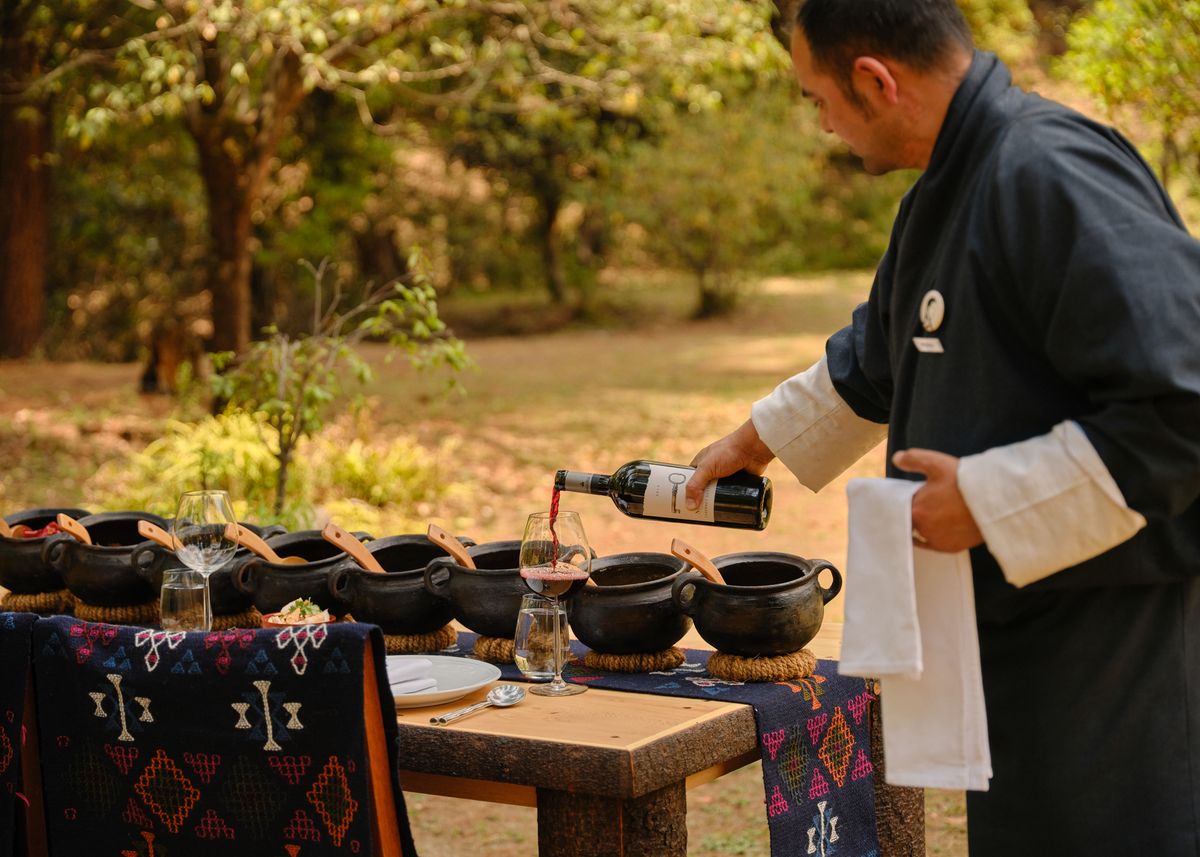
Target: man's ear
(875,81)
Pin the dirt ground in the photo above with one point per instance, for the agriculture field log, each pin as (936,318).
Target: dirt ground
(587,399)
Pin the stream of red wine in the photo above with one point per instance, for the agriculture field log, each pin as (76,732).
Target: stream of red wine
(553,533)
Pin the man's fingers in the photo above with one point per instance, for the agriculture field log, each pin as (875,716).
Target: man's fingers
(924,461)
(696,485)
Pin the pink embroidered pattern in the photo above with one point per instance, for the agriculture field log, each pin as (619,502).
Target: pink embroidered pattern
(862,767)
(819,786)
(85,636)
(838,747)
(815,726)
(302,827)
(133,814)
(122,757)
(212,826)
(291,768)
(858,705)
(778,804)
(224,640)
(203,764)
(773,741)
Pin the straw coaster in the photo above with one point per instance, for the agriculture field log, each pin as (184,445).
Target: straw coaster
(779,668)
(48,603)
(134,614)
(249,618)
(414,644)
(641,662)
(496,650)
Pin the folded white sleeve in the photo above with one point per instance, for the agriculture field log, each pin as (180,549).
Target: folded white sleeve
(1046,503)
(811,429)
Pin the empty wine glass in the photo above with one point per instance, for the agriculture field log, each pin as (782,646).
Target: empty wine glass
(555,561)
(199,527)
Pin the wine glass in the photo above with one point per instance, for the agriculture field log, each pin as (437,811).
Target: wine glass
(199,527)
(555,561)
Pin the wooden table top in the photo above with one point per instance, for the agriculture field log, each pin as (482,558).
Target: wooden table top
(602,742)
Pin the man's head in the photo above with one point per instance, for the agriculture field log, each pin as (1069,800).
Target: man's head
(881,72)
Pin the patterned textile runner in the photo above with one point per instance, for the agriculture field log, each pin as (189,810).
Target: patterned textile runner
(814,739)
(16,630)
(169,743)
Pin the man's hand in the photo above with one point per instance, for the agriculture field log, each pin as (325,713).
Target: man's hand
(743,449)
(940,517)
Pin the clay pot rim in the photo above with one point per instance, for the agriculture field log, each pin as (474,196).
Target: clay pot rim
(644,557)
(723,561)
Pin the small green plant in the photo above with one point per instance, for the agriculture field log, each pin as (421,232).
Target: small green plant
(293,381)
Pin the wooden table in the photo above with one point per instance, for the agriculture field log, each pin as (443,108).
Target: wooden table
(607,770)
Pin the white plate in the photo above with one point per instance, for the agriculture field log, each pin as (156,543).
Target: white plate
(456,677)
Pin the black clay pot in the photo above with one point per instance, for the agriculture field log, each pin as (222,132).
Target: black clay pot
(630,609)
(101,574)
(271,585)
(398,601)
(772,603)
(22,569)
(487,598)
(150,560)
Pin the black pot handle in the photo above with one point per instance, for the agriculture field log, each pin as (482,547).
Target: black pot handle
(439,586)
(243,581)
(687,580)
(147,561)
(819,565)
(270,532)
(338,583)
(55,551)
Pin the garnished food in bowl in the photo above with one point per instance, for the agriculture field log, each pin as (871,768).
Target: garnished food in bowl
(300,611)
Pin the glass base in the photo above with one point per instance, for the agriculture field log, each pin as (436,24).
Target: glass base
(557,689)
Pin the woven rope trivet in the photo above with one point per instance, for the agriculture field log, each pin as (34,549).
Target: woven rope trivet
(646,662)
(39,602)
(413,644)
(497,650)
(779,668)
(249,618)
(135,614)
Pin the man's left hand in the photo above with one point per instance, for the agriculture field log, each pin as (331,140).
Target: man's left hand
(940,517)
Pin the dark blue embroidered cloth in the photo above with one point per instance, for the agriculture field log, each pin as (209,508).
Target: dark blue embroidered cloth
(814,737)
(16,629)
(176,744)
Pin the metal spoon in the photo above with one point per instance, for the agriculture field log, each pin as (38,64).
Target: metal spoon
(501,696)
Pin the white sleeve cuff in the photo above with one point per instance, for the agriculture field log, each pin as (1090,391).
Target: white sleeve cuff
(811,429)
(1046,503)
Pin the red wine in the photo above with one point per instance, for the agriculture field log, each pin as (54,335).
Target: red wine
(553,581)
(554,498)
(651,489)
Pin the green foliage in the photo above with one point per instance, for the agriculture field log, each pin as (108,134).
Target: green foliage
(1006,27)
(1145,56)
(292,382)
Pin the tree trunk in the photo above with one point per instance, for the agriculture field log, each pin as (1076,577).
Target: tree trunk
(24,213)
(549,199)
(229,233)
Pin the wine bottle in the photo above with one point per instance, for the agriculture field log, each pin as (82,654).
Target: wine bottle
(651,489)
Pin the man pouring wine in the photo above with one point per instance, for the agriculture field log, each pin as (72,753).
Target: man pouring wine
(1028,349)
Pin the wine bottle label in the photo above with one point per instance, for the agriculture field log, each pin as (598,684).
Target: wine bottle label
(575,481)
(666,495)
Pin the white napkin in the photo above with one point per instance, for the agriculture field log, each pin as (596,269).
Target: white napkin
(910,622)
(409,675)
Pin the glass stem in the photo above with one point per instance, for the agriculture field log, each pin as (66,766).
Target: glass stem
(558,655)
(208,616)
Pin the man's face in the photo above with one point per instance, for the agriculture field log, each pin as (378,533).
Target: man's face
(857,124)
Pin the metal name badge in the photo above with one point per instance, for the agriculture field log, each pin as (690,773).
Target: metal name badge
(933,310)
(929,344)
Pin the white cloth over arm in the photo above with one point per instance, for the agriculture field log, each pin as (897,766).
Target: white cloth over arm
(910,622)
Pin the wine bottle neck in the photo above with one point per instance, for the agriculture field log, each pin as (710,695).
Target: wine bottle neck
(583,483)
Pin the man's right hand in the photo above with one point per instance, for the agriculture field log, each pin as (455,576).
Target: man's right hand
(743,449)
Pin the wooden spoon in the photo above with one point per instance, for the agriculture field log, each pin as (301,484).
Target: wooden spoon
(450,545)
(11,532)
(69,525)
(155,533)
(338,537)
(248,540)
(697,560)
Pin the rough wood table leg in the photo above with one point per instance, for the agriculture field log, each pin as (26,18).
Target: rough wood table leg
(899,811)
(578,825)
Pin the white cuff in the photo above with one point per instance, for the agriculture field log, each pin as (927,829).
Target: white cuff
(811,429)
(1046,503)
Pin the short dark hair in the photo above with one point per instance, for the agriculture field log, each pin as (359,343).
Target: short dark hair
(919,33)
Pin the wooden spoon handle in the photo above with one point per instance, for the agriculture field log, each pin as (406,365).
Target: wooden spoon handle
(699,561)
(450,545)
(248,540)
(5,529)
(69,525)
(155,533)
(338,537)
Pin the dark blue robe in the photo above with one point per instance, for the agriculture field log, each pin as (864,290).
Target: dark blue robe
(1071,292)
